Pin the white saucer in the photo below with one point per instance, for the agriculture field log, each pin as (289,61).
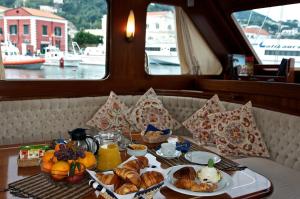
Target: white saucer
(175,155)
(201,157)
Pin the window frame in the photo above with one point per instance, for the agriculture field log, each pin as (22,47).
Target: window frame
(55,31)
(44,26)
(26,25)
(16,29)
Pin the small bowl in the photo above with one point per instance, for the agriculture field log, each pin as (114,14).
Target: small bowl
(137,149)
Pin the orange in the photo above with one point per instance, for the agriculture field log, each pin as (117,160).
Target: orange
(57,146)
(46,166)
(60,170)
(48,156)
(54,159)
(89,161)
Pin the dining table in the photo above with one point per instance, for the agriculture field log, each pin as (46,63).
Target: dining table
(246,182)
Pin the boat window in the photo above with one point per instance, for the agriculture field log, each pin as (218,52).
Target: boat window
(54,40)
(161,54)
(272,32)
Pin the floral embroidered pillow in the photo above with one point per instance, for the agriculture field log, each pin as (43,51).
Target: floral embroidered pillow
(111,116)
(150,110)
(199,125)
(237,133)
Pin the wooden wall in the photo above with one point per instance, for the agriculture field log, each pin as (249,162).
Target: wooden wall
(125,63)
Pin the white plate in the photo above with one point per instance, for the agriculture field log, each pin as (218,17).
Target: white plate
(176,154)
(225,183)
(201,157)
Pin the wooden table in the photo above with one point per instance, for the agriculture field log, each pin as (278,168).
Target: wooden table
(247,183)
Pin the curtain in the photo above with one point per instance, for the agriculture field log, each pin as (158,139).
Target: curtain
(2,72)
(194,54)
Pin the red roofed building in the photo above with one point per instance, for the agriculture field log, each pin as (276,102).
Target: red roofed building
(32,29)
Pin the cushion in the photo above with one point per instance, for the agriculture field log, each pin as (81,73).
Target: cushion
(237,134)
(111,115)
(150,110)
(285,180)
(199,125)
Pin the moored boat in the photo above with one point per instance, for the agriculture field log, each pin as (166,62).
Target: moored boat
(54,56)
(13,59)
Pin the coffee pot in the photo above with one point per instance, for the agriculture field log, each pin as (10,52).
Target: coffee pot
(81,139)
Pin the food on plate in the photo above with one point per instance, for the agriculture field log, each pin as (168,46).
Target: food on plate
(185,173)
(194,186)
(126,189)
(140,163)
(108,179)
(150,178)
(137,146)
(129,175)
(209,173)
(154,136)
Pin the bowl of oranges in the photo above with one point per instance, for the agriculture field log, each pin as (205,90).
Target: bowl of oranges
(68,163)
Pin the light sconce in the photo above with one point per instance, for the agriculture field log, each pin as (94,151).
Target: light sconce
(130,28)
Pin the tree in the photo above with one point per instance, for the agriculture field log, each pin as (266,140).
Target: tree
(84,38)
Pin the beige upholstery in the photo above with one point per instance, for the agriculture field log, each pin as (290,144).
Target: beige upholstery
(285,180)
(46,119)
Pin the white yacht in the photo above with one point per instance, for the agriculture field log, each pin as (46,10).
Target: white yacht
(162,54)
(94,55)
(54,56)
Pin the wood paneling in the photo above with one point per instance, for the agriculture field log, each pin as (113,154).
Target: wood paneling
(125,62)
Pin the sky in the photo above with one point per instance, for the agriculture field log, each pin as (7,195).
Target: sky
(283,13)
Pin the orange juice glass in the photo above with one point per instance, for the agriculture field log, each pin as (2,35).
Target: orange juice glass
(109,157)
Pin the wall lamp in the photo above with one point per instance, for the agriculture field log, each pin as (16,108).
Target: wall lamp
(130,28)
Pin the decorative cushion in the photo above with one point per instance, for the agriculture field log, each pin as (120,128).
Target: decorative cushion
(150,110)
(111,116)
(237,134)
(199,125)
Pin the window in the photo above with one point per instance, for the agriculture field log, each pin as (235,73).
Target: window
(45,30)
(1,31)
(13,29)
(26,29)
(57,31)
(273,32)
(162,57)
(74,34)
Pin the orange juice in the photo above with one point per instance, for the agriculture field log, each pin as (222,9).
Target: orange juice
(109,157)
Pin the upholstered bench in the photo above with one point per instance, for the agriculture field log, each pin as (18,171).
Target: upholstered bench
(45,119)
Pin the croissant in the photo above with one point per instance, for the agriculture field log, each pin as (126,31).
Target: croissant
(126,188)
(143,161)
(184,183)
(151,178)
(140,163)
(185,172)
(128,175)
(193,186)
(204,187)
(109,179)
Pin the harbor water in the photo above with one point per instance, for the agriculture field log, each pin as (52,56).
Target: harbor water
(82,72)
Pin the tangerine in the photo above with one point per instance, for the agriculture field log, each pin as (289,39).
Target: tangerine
(46,166)
(89,161)
(60,170)
(48,156)
(57,146)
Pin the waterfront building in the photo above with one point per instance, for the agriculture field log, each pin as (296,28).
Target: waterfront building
(32,30)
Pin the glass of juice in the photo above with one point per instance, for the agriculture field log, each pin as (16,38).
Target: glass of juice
(109,157)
